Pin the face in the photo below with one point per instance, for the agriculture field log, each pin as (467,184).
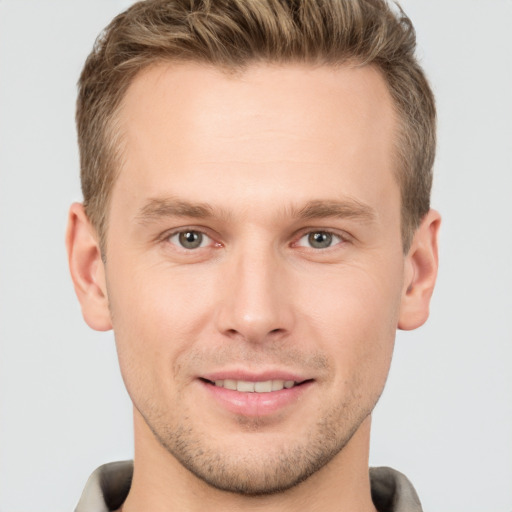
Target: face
(254,265)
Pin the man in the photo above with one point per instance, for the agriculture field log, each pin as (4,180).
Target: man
(255,227)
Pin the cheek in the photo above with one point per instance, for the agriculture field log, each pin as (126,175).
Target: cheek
(154,301)
(159,314)
(355,314)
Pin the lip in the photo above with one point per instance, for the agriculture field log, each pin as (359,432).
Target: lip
(248,376)
(255,404)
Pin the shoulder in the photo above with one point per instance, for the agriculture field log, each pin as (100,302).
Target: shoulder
(107,487)
(392,491)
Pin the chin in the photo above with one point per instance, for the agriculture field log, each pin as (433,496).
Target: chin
(272,464)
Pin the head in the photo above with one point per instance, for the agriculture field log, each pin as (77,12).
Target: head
(256,213)
(359,33)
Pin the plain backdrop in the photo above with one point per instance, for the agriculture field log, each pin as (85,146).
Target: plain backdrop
(445,418)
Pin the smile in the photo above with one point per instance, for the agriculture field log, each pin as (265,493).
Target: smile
(255,387)
(256,397)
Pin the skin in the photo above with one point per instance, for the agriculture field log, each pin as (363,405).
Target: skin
(246,162)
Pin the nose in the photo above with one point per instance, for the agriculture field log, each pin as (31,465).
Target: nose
(255,302)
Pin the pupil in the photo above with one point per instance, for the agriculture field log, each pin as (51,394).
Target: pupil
(320,240)
(191,239)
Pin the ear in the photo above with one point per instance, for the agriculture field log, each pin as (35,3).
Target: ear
(421,265)
(87,269)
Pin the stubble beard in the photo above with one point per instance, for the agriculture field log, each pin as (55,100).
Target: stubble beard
(278,463)
(253,473)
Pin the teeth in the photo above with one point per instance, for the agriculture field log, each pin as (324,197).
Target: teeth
(263,387)
(229,384)
(255,387)
(277,385)
(246,387)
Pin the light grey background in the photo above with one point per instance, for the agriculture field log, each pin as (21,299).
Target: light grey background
(446,416)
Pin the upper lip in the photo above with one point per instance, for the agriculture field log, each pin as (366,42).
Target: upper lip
(248,376)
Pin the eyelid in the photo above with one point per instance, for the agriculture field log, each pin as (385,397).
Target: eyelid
(203,240)
(167,235)
(342,235)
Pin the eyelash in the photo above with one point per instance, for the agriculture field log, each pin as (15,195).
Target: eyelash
(169,236)
(332,237)
(335,237)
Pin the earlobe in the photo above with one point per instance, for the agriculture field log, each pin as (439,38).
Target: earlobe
(421,266)
(87,269)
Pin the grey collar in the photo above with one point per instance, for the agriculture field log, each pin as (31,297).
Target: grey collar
(108,487)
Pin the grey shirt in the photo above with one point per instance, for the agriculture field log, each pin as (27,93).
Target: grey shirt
(108,487)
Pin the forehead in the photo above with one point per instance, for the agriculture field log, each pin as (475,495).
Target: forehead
(270,129)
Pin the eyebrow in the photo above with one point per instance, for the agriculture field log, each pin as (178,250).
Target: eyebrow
(158,208)
(348,208)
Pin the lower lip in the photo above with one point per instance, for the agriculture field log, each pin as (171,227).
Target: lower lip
(256,404)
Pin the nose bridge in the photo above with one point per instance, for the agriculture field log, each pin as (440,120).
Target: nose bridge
(255,303)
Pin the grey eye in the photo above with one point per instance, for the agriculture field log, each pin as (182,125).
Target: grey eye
(320,240)
(189,239)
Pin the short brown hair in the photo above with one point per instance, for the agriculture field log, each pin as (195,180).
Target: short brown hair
(231,34)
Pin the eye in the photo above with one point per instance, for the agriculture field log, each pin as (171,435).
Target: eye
(190,239)
(319,240)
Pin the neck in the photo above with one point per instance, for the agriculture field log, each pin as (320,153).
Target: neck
(160,483)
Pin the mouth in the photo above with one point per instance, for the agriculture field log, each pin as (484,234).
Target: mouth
(245,386)
(263,394)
